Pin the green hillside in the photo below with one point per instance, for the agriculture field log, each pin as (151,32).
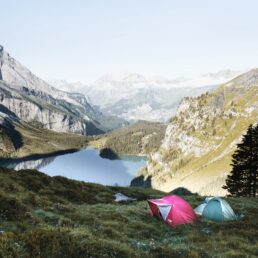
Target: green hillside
(200,139)
(20,139)
(142,138)
(55,217)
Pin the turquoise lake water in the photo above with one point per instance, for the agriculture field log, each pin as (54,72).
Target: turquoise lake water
(85,165)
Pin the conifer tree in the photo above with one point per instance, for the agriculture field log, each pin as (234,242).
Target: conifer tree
(242,181)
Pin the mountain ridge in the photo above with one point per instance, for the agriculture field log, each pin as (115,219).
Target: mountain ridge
(133,96)
(200,139)
(31,98)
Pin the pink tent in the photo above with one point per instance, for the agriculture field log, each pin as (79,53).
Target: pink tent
(173,209)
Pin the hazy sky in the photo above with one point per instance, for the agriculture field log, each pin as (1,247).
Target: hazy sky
(80,40)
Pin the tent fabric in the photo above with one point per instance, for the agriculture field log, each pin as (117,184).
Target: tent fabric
(199,209)
(213,211)
(172,209)
(216,209)
(227,211)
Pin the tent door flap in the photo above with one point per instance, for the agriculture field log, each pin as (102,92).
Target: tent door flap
(164,211)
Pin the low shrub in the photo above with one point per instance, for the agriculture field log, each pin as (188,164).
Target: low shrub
(99,248)
(11,208)
(50,244)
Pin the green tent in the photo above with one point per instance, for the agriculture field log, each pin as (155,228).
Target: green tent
(217,209)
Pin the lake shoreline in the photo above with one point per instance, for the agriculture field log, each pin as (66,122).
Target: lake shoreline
(84,165)
(91,144)
(41,155)
(99,147)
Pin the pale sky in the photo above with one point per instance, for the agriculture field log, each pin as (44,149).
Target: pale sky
(80,40)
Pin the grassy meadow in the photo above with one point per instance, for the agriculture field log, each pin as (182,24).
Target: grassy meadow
(42,216)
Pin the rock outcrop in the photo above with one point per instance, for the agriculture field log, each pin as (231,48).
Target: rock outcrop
(28,109)
(10,138)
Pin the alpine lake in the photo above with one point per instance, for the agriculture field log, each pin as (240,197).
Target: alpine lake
(84,165)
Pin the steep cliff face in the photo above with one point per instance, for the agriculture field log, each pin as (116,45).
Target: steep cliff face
(30,109)
(200,139)
(32,99)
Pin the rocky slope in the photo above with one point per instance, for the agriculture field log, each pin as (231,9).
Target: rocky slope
(200,139)
(32,99)
(10,139)
(136,97)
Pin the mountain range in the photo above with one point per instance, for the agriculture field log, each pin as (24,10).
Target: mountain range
(133,96)
(26,97)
